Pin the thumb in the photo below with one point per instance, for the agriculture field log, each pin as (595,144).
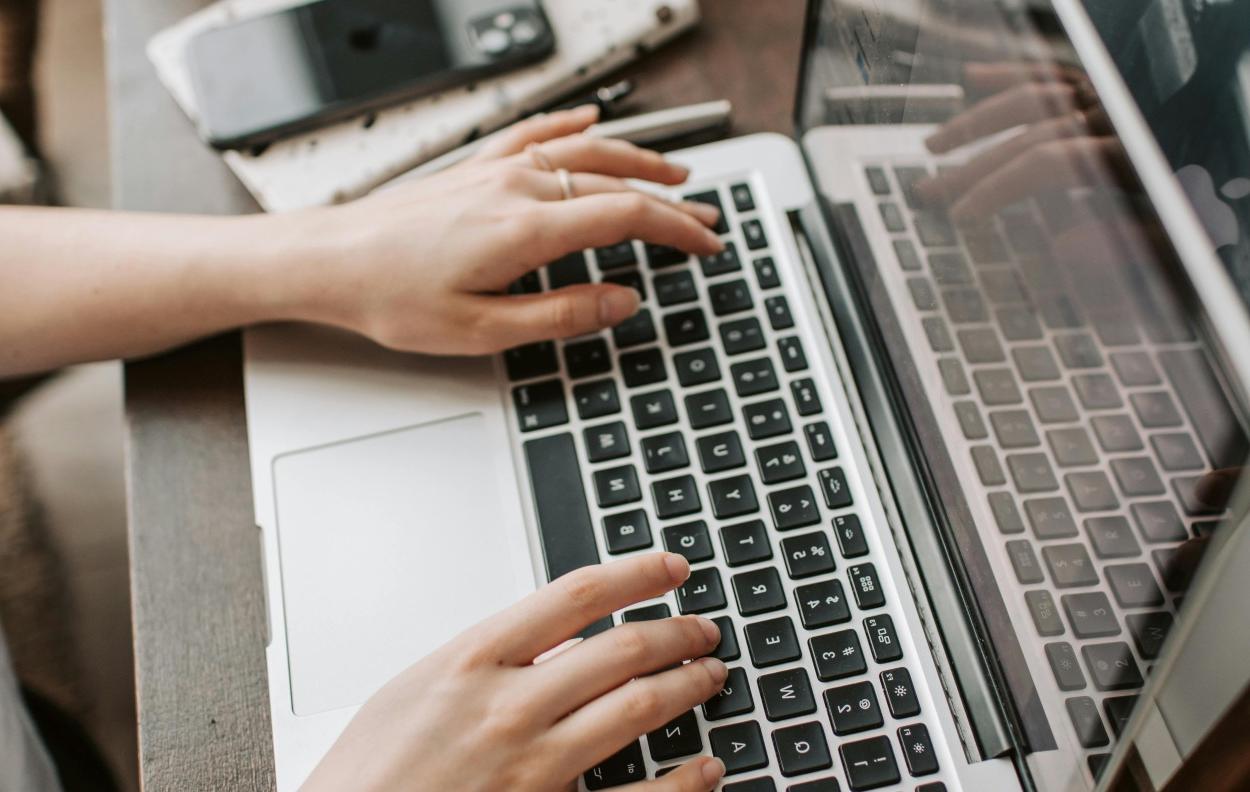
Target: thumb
(572,311)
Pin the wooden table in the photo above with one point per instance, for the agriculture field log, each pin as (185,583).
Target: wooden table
(199,626)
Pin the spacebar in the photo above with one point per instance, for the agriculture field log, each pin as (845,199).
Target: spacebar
(563,516)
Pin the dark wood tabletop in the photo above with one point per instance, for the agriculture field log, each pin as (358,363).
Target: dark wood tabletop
(199,617)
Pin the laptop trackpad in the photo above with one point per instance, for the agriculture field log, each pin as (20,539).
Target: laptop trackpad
(390,545)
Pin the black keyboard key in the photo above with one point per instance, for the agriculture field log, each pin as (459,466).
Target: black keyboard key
(616,256)
(877,180)
(596,399)
(1044,612)
(997,387)
(908,177)
(847,710)
(1078,351)
(918,750)
(624,767)
(1111,666)
(1035,364)
(907,256)
(569,271)
(766,273)
(807,555)
(635,331)
(882,639)
(922,294)
(1206,404)
(934,229)
(654,409)
(1149,631)
(1090,615)
(1119,709)
(721,263)
(665,452)
(1133,585)
(1069,565)
(766,419)
(820,442)
(786,694)
(568,539)
(1014,429)
(617,486)
(1159,522)
(696,367)
(727,649)
(708,409)
(676,497)
(646,613)
(1072,447)
(778,309)
(772,642)
(529,283)
(1097,764)
(643,368)
(540,405)
(1176,451)
(745,543)
(661,256)
(531,360)
(627,531)
(837,655)
(712,198)
(721,451)
(732,497)
(793,508)
(806,399)
(1006,515)
(734,697)
(835,489)
(753,377)
(730,298)
(689,539)
(780,462)
(675,288)
(1050,518)
(900,695)
(609,441)
(740,746)
(1116,433)
(1064,666)
(630,279)
(1111,537)
(742,335)
(801,749)
(822,604)
(1086,723)
(685,327)
(989,469)
(892,216)
(1024,562)
(1137,476)
(753,230)
(850,535)
(793,358)
(759,591)
(702,592)
(742,198)
(678,737)
(869,763)
(866,586)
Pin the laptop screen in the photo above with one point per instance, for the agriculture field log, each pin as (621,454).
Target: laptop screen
(1058,382)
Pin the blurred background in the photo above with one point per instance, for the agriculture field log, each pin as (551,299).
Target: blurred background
(69,433)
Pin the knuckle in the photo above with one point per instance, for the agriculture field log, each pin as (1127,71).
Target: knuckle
(635,206)
(512,178)
(585,590)
(504,723)
(631,644)
(564,321)
(693,633)
(643,704)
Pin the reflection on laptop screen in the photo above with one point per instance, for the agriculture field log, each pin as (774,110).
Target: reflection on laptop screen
(1057,376)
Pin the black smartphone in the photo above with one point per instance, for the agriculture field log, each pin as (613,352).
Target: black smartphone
(262,78)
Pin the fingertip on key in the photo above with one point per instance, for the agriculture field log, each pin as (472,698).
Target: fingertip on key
(713,770)
(678,567)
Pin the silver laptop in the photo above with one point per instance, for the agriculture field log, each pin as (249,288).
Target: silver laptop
(950,434)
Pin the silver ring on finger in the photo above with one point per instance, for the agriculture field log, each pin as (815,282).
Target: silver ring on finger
(540,158)
(566,184)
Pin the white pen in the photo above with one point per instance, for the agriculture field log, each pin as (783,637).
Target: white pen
(644,129)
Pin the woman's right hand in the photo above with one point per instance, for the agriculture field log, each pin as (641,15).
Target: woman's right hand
(480,715)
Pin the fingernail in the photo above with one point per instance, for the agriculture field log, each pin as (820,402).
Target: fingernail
(713,771)
(710,630)
(708,214)
(618,305)
(718,670)
(587,110)
(716,243)
(678,567)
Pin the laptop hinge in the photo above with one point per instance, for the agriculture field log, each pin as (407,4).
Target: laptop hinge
(974,701)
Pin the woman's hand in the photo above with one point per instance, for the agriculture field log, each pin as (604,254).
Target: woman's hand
(424,267)
(480,715)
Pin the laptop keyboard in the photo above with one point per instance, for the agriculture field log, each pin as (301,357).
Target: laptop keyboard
(1087,429)
(698,426)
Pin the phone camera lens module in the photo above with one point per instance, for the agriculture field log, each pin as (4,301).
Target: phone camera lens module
(494,41)
(524,32)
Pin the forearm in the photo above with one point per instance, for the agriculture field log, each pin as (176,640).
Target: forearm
(82,285)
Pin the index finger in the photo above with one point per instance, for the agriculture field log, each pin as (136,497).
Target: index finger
(569,604)
(539,129)
(1023,104)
